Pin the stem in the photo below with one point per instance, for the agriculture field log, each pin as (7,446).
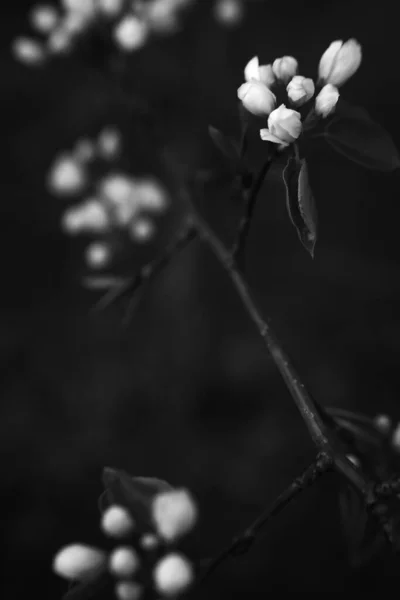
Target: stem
(242,543)
(245,222)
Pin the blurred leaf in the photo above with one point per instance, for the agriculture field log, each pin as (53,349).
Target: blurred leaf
(354,134)
(134,493)
(300,202)
(226,145)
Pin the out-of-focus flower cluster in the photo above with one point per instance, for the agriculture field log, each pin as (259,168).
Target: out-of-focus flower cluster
(130,23)
(110,203)
(174,514)
(263,82)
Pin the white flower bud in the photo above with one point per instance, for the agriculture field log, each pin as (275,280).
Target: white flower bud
(117,522)
(263,73)
(98,255)
(228,12)
(131,33)
(59,40)
(383,423)
(78,561)
(284,126)
(44,18)
(339,62)
(151,196)
(142,230)
(109,143)
(90,216)
(28,51)
(123,562)
(300,90)
(67,176)
(172,574)
(128,590)
(326,100)
(110,8)
(174,514)
(149,541)
(285,68)
(87,7)
(257,98)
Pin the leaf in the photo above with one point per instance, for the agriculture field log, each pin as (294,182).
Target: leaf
(354,134)
(134,493)
(226,145)
(300,202)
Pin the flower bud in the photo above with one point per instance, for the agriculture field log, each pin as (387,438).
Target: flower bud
(285,68)
(300,89)
(174,514)
(263,73)
(326,100)
(284,126)
(78,561)
(67,176)
(256,98)
(172,574)
(28,51)
(131,33)
(123,562)
(383,423)
(128,590)
(339,62)
(117,522)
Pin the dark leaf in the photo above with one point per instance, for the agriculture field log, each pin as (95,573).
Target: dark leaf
(300,202)
(226,145)
(354,134)
(135,493)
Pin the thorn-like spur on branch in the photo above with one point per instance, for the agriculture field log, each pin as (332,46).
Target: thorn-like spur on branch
(134,284)
(242,543)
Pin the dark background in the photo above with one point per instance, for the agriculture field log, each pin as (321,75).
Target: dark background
(185,391)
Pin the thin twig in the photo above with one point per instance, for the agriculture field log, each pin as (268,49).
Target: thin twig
(242,543)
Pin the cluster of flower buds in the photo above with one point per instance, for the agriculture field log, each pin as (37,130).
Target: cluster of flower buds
(338,63)
(130,23)
(174,514)
(116,201)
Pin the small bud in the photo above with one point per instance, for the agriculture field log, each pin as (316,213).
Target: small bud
(131,33)
(78,561)
(151,196)
(326,100)
(28,51)
(59,41)
(66,176)
(117,522)
(173,574)
(84,151)
(128,590)
(383,423)
(284,126)
(109,143)
(123,562)
(142,230)
(339,62)
(285,68)
(257,98)
(98,255)
(110,8)
(263,73)
(174,514)
(300,90)
(90,216)
(44,18)
(149,541)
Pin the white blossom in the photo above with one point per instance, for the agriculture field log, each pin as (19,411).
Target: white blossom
(123,562)
(78,561)
(109,143)
(90,216)
(383,423)
(284,126)
(67,176)
(326,100)
(44,18)
(98,255)
(117,522)
(28,51)
(285,68)
(142,230)
(257,98)
(228,12)
(131,33)
(174,514)
(172,574)
(339,62)
(151,196)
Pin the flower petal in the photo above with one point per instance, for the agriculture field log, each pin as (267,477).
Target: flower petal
(267,136)
(251,70)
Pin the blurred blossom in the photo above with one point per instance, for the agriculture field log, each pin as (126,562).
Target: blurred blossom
(128,590)
(117,522)
(300,90)
(59,41)
(67,176)
(149,541)
(172,574)
(162,16)
(285,68)
(284,126)
(142,230)
(118,193)
(84,151)
(86,7)
(28,51)
(257,98)
(339,62)
(263,73)
(131,33)
(98,255)
(151,196)
(90,216)
(228,12)
(123,562)
(109,143)
(174,514)
(383,423)
(326,100)
(44,18)
(110,8)
(78,561)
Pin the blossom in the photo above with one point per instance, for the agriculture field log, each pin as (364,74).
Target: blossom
(172,574)
(285,68)
(90,216)
(326,100)
(284,126)
(256,98)
(131,33)
(142,230)
(44,18)
(228,12)
(98,255)
(117,522)
(28,51)
(174,513)
(78,561)
(67,176)
(123,562)
(263,73)
(339,62)
(300,89)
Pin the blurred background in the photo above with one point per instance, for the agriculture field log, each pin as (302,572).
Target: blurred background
(185,390)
